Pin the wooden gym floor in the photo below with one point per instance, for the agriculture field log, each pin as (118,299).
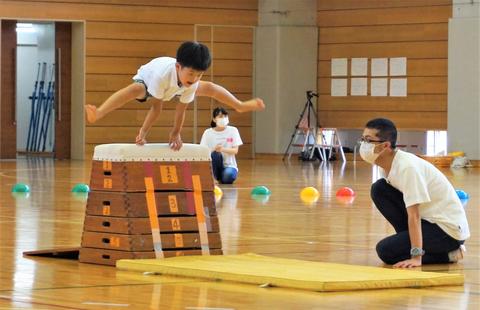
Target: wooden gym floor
(329,231)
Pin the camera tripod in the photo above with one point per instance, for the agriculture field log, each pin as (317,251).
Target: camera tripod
(304,128)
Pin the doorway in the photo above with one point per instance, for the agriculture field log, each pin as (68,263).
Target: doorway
(35,88)
(39,89)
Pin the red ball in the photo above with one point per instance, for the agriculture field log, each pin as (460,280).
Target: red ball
(345,192)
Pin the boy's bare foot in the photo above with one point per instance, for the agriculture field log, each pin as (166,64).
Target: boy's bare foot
(175,141)
(91,113)
(140,141)
(255,104)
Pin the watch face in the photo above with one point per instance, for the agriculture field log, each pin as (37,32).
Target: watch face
(416,252)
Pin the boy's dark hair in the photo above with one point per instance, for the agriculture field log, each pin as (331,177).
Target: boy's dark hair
(194,55)
(216,112)
(386,130)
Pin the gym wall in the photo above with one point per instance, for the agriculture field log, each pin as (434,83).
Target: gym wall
(415,29)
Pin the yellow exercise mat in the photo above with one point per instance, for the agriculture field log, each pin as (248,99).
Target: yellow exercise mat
(290,273)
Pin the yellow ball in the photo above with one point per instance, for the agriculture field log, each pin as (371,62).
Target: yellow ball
(309,194)
(456,154)
(217,191)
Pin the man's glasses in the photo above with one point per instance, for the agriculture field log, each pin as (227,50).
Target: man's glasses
(368,140)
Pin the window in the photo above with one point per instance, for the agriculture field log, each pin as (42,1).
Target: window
(436,142)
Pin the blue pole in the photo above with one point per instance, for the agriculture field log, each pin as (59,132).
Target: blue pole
(32,112)
(46,108)
(38,111)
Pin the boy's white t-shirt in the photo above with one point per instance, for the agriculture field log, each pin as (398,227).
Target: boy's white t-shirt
(422,183)
(160,76)
(228,138)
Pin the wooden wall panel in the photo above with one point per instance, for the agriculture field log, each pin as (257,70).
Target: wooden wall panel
(385,16)
(363,103)
(63,90)
(411,50)
(139,31)
(8,45)
(416,29)
(226,34)
(127,13)
(121,35)
(127,134)
(410,120)
(220,4)
(383,33)
(203,103)
(123,65)
(151,49)
(130,48)
(356,4)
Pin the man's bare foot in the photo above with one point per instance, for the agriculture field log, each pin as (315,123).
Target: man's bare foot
(255,104)
(457,255)
(91,112)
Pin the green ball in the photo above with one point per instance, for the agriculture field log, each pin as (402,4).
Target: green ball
(260,190)
(20,188)
(81,188)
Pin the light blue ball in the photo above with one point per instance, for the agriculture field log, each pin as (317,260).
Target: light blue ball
(462,194)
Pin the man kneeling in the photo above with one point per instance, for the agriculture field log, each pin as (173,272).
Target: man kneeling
(417,199)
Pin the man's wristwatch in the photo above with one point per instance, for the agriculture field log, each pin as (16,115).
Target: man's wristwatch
(416,252)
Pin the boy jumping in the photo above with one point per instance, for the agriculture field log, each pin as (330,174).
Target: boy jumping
(164,78)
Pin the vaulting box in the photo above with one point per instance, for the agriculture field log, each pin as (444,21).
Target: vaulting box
(150,202)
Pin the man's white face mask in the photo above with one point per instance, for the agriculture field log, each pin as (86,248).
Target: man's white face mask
(222,122)
(367,152)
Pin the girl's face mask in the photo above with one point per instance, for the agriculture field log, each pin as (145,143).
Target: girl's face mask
(222,122)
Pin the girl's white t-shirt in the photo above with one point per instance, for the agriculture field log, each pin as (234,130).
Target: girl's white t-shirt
(422,183)
(227,138)
(160,76)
